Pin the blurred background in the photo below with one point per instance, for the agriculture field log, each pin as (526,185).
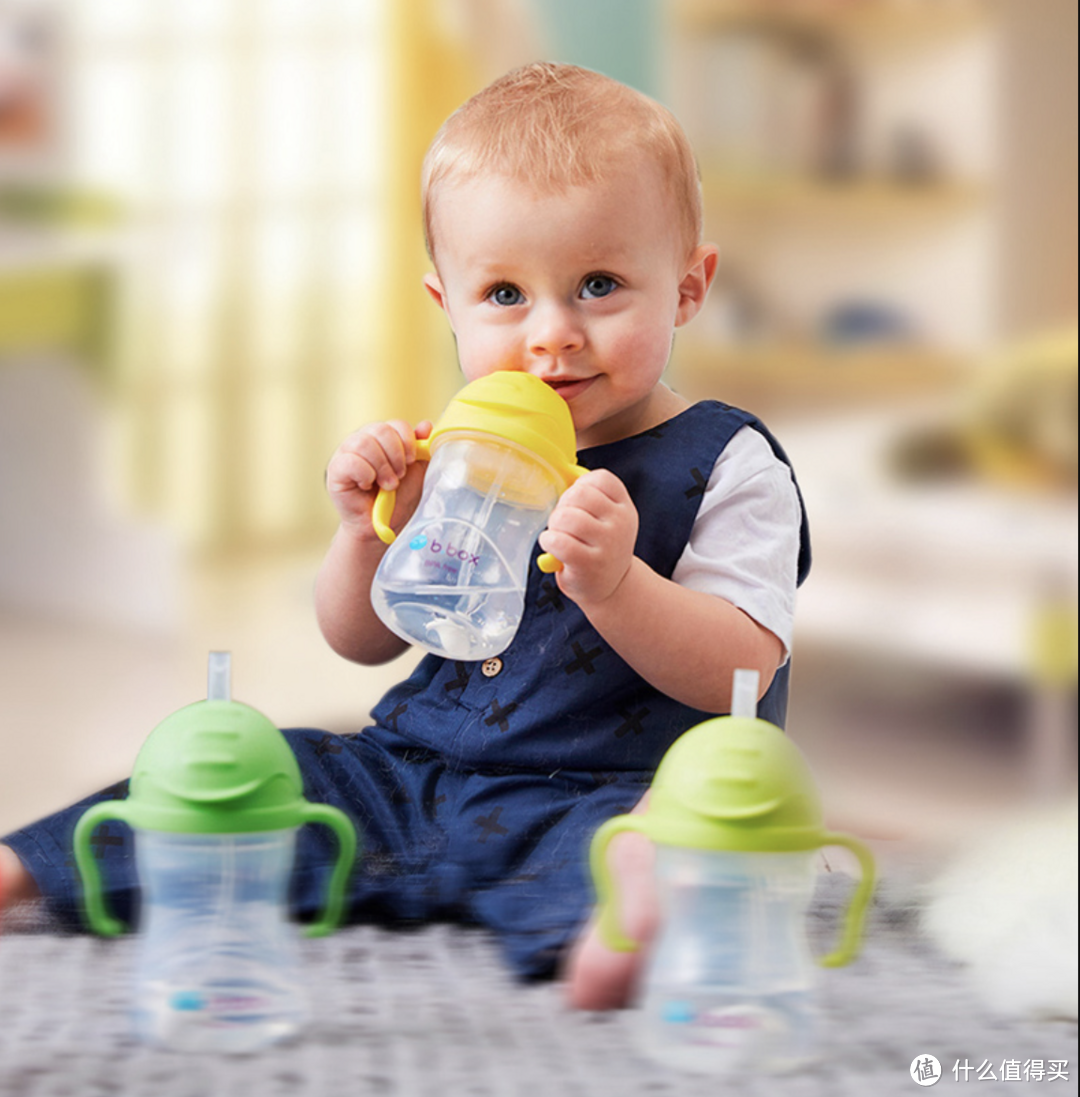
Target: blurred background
(210,264)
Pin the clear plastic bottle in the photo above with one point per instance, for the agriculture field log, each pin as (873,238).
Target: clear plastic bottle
(729,985)
(218,966)
(500,456)
(454,581)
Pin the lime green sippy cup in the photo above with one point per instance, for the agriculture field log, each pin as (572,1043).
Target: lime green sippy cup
(215,803)
(500,456)
(737,821)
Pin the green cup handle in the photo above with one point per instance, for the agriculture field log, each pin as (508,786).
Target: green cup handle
(105,924)
(851,938)
(343,828)
(93,902)
(383,509)
(607,897)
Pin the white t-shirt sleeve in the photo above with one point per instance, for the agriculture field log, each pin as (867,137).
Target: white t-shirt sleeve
(744,545)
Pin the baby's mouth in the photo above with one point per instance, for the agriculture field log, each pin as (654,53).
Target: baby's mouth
(568,387)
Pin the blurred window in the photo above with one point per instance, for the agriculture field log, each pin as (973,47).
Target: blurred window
(242,140)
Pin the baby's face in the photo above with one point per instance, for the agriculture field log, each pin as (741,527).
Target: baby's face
(582,288)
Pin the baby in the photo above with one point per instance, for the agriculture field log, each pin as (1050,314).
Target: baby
(563,218)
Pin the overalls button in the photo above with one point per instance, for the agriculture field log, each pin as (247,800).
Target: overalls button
(490,667)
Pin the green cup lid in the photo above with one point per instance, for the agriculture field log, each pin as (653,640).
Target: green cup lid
(735,783)
(215,767)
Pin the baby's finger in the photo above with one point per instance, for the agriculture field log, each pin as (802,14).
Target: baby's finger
(577,522)
(598,493)
(385,448)
(567,549)
(349,470)
(398,444)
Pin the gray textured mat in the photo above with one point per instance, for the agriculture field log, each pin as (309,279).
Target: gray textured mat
(432,1012)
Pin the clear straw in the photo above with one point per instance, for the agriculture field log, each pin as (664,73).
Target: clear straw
(744,691)
(219,676)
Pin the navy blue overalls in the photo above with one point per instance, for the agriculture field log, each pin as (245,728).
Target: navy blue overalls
(480,785)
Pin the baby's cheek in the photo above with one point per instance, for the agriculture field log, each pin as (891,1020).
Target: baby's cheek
(483,352)
(644,354)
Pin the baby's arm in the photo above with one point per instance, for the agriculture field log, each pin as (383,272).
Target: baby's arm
(379,455)
(684,642)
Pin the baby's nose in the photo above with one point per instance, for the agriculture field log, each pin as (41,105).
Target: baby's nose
(556,329)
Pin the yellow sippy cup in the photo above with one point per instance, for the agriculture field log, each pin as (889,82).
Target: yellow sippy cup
(500,456)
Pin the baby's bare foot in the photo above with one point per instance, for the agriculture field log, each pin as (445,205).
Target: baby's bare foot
(16,884)
(598,977)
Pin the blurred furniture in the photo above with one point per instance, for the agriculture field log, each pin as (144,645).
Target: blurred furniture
(845,151)
(58,276)
(66,552)
(863,163)
(56,298)
(963,574)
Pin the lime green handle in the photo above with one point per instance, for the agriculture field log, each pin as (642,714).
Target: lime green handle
(856,915)
(93,903)
(610,929)
(342,827)
(607,896)
(383,509)
(106,925)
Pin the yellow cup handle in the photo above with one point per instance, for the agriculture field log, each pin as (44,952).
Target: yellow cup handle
(383,509)
(545,561)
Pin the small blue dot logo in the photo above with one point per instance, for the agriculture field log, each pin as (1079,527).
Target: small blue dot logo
(418,542)
(677,1013)
(188,1000)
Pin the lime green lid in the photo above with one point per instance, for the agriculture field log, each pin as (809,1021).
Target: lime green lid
(735,783)
(215,767)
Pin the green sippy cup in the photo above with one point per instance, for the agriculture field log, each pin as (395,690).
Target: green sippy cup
(737,820)
(501,455)
(216,800)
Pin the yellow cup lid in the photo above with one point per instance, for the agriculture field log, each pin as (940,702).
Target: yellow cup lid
(519,408)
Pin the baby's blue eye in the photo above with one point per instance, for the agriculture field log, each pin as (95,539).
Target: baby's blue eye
(506,295)
(598,285)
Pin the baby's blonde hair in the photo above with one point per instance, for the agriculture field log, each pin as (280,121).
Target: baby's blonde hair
(557,126)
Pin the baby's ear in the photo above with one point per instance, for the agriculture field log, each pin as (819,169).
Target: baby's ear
(433,284)
(698,276)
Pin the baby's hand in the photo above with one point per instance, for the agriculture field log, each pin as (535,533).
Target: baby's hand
(592,533)
(380,455)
